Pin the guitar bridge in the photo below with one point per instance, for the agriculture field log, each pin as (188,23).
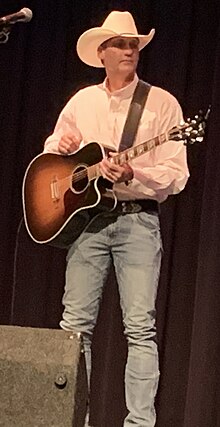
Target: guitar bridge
(55,195)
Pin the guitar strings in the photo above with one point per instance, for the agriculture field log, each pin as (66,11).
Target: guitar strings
(75,177)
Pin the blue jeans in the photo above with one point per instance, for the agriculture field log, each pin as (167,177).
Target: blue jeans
(133,242)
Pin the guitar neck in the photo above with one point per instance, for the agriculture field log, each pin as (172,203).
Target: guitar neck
(130,154)
(137,150)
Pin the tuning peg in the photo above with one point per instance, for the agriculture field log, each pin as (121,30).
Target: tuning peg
(199,139)
(195,121)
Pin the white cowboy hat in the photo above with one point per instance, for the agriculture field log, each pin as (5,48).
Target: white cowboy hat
(116,24)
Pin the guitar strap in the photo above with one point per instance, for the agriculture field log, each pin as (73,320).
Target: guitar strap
(134,115)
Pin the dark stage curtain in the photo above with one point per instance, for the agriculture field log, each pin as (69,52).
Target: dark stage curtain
(39,71)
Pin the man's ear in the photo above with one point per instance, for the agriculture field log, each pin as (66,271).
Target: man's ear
(100,53)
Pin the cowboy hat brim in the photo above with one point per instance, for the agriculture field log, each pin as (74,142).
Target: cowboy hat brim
(89,42)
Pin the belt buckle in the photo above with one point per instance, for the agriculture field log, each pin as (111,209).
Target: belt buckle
(130,207)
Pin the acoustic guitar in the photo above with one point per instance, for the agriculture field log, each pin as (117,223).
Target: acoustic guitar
(61,194)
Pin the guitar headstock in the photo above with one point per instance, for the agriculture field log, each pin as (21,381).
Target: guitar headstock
(192,130)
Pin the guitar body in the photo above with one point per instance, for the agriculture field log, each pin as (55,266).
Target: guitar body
(56,209)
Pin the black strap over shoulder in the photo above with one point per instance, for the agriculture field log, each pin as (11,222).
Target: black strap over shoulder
(134,114)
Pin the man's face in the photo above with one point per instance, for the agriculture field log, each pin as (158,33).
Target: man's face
(120,55)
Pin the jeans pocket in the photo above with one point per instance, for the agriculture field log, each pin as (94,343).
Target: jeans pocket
(150,220)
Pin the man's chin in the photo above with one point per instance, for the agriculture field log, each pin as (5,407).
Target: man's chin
(127,63)
(127,67)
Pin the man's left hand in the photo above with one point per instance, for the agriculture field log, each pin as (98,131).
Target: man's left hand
(116,173)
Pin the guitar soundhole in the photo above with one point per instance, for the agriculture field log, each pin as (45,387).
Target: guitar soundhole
(80,179)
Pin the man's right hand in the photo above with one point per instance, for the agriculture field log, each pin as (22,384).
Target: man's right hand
(70,142)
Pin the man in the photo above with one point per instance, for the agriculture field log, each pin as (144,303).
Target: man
(131,238)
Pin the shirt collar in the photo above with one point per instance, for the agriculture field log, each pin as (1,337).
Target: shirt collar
(123,93)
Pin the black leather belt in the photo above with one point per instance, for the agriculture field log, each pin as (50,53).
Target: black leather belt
(134,206)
